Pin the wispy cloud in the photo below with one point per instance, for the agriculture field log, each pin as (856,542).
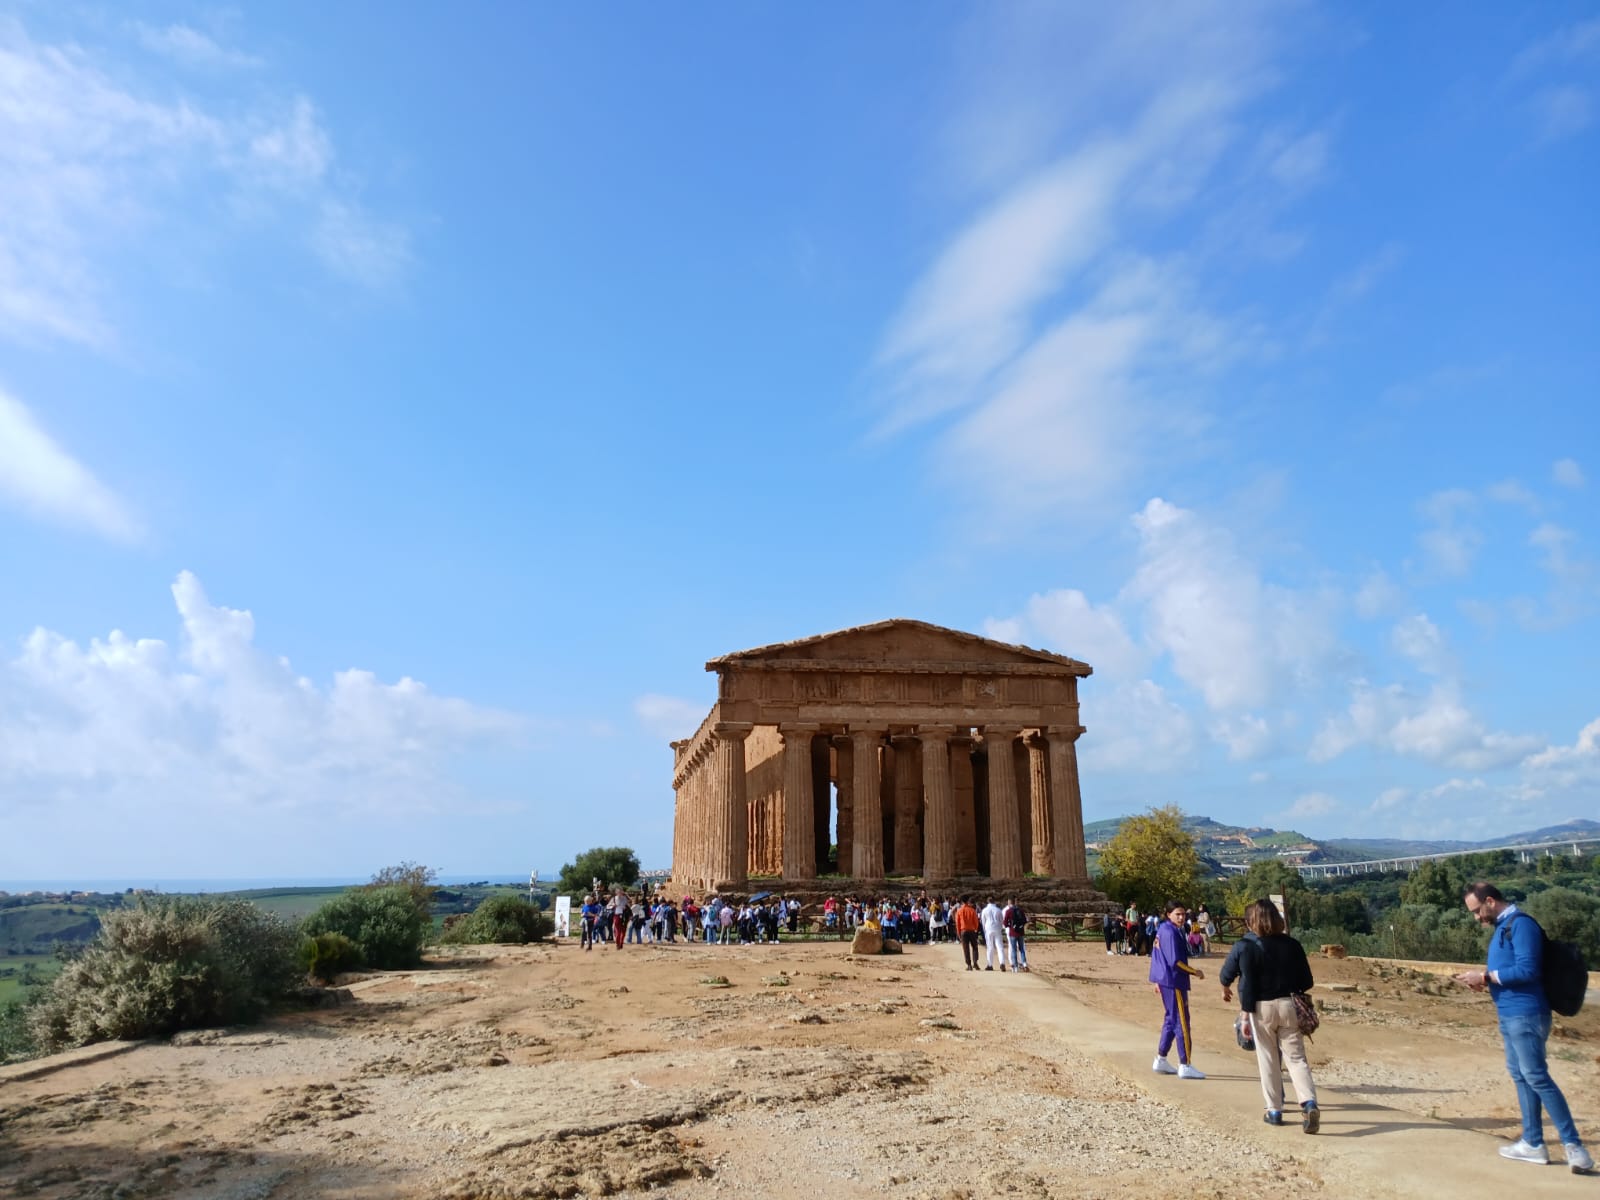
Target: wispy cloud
(91,156)
(1556,75)
(43,480)
(190,47)
(669,717)
(1568,474)
(1035,329)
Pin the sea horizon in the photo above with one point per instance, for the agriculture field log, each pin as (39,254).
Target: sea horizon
(245,884)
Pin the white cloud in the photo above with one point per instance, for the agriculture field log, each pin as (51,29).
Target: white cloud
(1025,324)
(1435,727)
(1136,727)
(1311,804)
(217,722)
(670,718)
(1302,161)
(1391,799)
(1563,111)
(1066,622)
(1420,640)
(1451,545)
(1577,765)
(1570,44)
(42,479)
(1240,642)
(191,48)
(1567,473)
(1511,491)
(1247,736)
(1378,596)
(93,158)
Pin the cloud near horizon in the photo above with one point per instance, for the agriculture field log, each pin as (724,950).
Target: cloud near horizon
(216,721)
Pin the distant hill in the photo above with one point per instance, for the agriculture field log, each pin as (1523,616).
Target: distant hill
(1219,843)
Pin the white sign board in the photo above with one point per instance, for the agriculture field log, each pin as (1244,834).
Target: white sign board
(563,916)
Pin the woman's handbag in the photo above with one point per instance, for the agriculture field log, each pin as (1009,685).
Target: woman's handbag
(1305,1014)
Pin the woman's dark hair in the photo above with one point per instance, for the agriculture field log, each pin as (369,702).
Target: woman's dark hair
(1263,917)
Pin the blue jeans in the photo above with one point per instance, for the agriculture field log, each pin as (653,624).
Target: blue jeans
(1525,1038)
(1019,951)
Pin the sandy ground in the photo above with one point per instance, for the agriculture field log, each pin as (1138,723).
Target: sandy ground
(545,1071)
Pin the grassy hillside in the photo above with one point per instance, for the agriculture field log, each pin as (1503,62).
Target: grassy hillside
(35,928)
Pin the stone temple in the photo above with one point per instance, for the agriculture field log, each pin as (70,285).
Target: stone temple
(887,751)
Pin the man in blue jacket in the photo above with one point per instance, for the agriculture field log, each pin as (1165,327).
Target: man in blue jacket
(1514,977)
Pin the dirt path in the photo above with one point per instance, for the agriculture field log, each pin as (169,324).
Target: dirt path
(546,1071)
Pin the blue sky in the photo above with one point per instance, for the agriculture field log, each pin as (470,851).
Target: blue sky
(398,407)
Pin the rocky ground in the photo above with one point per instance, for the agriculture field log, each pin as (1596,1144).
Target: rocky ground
(789,1072)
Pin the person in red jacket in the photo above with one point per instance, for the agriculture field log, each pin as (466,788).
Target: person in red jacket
(967,927)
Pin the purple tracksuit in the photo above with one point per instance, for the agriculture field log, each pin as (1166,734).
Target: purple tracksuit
(1169,970)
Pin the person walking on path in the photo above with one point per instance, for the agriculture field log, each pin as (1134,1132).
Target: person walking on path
(1170,972)
(993,931)
(967,925)
(1514,978)
(620,909)
(1015,921)
(1270,967)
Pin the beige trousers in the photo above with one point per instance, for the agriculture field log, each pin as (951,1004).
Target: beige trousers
(1279,1044)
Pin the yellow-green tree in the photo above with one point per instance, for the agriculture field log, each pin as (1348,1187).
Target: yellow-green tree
(1151,859)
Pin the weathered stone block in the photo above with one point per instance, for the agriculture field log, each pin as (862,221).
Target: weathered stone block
(867,941)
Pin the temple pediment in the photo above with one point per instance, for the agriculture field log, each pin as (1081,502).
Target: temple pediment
(900,642)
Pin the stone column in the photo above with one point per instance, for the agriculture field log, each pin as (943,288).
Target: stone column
(939,829)
(799,813)
(730,868)
(1066,803)
(1005,842)
(907,806)
(965,802)
(845,782)
(867,850)
(1044,850)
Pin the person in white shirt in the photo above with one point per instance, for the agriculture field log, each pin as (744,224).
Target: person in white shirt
(993,932)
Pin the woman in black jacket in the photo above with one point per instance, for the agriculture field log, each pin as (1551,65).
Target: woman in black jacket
(1270,966)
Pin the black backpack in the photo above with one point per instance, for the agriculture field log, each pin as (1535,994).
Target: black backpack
(1565,974)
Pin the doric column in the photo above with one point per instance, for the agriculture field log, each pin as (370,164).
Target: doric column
(963,789)
(799,813)
(867,848)
(1066,803)
(731,867)
(939,828)
(845,782)
(907,806)
(1005,842)
(1044,850)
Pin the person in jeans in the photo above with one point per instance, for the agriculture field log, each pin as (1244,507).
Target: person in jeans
(1514,978)
(1016,926)
(1270,967)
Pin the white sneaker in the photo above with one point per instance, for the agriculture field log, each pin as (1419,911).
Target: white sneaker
(1522,1152)
(1579,1159)
(1162,1067)
(1185,1071)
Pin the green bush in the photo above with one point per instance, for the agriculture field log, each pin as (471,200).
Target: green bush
(173,962)
(327,954)
(384,922)
(502,918)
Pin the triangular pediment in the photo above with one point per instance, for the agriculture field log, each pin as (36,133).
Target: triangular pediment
(901,641)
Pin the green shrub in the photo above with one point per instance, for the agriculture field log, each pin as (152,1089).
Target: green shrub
(500,918)
(327,954)
(384,922)
(173,962)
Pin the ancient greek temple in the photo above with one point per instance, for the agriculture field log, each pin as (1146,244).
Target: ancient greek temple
(894,749)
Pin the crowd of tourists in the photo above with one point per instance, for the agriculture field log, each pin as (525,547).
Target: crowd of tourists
(1135,933)
(1270,969)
